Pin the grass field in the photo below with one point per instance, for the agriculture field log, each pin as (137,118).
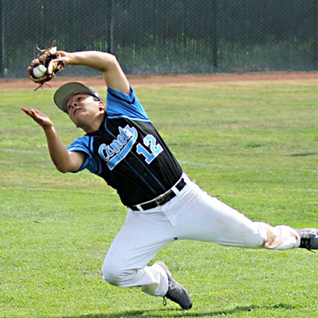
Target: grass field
(254,145)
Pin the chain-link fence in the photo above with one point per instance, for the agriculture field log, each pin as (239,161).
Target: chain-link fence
(164,36)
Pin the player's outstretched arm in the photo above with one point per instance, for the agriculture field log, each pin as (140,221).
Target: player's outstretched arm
(104,62)
(64,160)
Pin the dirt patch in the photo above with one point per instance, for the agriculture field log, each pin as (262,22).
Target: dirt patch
(8,84)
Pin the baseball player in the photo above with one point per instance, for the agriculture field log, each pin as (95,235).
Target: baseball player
(123,147)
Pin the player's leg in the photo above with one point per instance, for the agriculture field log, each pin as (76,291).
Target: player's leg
(199,216)
(140,239)
(137,243)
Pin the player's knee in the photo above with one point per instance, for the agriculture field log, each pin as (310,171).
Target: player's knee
(110,274)
(115,275)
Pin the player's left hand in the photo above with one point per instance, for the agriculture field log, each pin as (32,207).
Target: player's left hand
(64,57)
(45,66)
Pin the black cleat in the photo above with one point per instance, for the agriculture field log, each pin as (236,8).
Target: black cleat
(308,239)
(176,292)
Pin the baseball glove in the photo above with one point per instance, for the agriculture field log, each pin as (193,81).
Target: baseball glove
(45,66)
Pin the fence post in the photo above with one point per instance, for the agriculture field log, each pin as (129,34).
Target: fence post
(110,31)
(1,40)
(315,36)
(215,39)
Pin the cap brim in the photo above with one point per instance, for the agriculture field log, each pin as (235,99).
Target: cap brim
(62,95)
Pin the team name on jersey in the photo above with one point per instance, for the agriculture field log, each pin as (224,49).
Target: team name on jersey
(118,149)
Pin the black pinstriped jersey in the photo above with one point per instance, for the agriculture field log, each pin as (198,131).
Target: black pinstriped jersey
(128,152)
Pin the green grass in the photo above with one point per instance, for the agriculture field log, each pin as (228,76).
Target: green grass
(254,145)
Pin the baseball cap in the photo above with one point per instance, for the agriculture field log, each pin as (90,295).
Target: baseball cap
(62,94)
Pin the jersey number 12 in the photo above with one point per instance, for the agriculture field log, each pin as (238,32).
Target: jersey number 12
(151,142)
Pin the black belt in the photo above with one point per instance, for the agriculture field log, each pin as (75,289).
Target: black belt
(161,199)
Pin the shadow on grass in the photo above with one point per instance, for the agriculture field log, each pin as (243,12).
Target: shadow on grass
(180,313)
(304,154)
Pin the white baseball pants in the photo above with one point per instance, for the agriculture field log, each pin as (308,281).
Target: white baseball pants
(191,215)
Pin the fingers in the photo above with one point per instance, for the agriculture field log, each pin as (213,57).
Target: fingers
(64,57)
(61,59)
(27,111)
(62,53)
(30,112)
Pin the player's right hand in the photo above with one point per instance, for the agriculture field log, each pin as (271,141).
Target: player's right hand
(41,119)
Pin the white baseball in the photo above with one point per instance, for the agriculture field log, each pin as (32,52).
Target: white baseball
(39,71)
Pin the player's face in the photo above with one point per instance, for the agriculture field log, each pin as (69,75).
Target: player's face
(83,109)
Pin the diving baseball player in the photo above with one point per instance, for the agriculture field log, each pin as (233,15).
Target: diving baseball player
(123,147)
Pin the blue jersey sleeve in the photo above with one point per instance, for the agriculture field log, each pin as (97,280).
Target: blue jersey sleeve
(124,105)
(82,144)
